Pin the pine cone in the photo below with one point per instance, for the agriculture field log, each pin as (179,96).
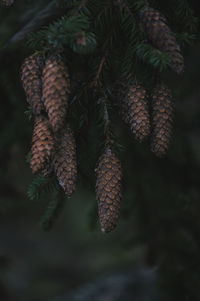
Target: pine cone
(162,119)
(7,2)
(42,145)
(160,36)
(108,190)
(56,89)
(31,75)
(135,111)
(65,161)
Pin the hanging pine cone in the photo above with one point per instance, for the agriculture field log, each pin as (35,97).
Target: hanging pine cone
(31,75)
(162,119)
(160,36)
(65,161)
(135,111)
(42,145)
(7,2)
(56,89)
(108,190)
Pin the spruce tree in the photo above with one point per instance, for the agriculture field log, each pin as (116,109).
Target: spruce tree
(104,57)
(105,49)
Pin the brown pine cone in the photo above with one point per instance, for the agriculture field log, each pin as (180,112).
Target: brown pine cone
(162,120)
(65,161)
(108,190)
(7,2)
(160,36)
(135,111)
(56,90)
(31,75)
(42,145)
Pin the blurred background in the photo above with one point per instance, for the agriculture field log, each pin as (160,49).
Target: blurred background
(159,228)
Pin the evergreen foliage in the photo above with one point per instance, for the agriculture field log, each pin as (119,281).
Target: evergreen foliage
(108,43)
(53,210)
(105,48)
(41,185)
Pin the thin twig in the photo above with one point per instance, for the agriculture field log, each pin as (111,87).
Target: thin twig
(99,71)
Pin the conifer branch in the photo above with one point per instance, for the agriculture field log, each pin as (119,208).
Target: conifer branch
(53,210)
(51,11)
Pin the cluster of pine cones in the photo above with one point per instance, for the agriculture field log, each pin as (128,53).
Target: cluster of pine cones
(152,118)
(47,86)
